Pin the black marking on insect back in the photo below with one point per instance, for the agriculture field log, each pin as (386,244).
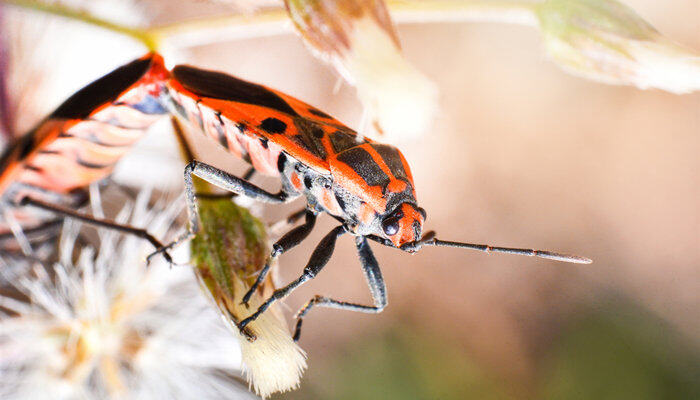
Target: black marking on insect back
(307,182)
(179,109)
(90,165)
(273,125)
(394,200)
(198,115)
(317,132)
(17,151)
(104,90)
(319,113)
(25,146)
(416,230)
(364,165)
(341,201)
(341,141)
(93,138)
(308,144)
(309,135)
(33,168)
(392,159)
(246,158)
(221,86)
(220,131)
(223,140)
(263,143)
(281,162)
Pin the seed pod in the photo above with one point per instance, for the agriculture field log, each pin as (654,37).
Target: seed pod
(605,40)
(227,253)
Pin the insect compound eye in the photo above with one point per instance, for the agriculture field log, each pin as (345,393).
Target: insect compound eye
(390,225)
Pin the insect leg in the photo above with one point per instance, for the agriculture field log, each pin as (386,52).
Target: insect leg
(66,212)
(37,234)
(319,259)
(295,216)
(374,280)
(287,242)
(221,179)
(246,177)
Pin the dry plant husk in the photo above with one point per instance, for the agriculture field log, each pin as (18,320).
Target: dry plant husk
(230,249)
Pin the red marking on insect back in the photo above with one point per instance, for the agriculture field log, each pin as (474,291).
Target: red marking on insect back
(407,226)
(396,186)
(367,213)
(296,182)
(156,76)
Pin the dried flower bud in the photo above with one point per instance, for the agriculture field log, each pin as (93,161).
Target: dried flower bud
(231,247)
(605,40)
(359,39)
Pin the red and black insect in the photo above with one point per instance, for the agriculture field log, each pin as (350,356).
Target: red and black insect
(366,186)
(50,168)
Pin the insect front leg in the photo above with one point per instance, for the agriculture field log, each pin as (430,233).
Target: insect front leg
(247,176)
(374,280)
(287,242)
(319,258)
(223,180)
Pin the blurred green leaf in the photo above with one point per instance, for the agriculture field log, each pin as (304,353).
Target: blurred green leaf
(400,364)
(621,354)
(232,244)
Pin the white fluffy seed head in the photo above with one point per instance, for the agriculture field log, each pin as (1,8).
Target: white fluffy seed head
(105,326)
(273,362)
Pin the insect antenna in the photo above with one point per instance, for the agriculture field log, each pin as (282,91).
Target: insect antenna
(430,240)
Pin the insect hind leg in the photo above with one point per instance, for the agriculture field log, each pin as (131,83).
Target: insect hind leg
(37,234)
(91,220)
(377,289)
(223,180)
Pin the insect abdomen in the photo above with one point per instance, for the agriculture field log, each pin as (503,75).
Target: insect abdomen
(233,136)
(81,141)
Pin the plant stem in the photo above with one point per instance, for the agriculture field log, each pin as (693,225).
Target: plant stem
(201,31)
(275,21)
(511,12)
(142,35)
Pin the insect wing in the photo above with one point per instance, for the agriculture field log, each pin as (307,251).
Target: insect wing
(307,134)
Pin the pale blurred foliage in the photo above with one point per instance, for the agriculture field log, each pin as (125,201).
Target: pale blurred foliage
(606,41)
(359,39)
(34,48)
